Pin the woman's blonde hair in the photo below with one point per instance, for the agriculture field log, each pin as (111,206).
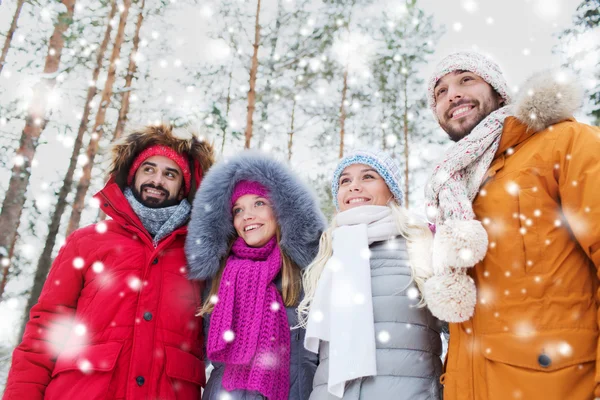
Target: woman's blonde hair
(290,280)
(416,233)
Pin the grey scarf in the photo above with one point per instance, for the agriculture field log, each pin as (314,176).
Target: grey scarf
(159,222)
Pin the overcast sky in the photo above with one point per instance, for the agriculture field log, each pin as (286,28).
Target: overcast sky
(518,34)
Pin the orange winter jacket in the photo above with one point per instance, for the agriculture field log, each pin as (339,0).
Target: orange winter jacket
(534,333)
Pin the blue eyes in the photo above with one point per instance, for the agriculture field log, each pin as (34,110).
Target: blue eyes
(258,203)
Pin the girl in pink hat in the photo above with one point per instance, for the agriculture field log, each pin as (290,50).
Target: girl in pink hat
(254,226)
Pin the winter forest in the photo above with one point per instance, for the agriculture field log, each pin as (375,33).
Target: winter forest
(307,80)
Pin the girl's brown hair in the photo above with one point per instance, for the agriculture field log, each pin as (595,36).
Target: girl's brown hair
(291,285)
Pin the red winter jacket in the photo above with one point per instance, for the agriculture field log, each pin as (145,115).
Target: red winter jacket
(115,319)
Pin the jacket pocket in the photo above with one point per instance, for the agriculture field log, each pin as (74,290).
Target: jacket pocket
(529,219)
(185,374)
(88,370)
(545,364)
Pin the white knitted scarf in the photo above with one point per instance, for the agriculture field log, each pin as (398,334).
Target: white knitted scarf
(460,241)
(455,181)
(342,308)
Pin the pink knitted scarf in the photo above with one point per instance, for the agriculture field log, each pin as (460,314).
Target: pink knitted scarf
(249,330)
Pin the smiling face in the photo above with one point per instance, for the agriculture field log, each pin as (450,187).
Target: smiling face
(158,182)
(361,185)
(254,220)
(463,100)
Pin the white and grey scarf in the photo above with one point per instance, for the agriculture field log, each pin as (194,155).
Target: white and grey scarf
(460,241)
(159,222)
(455,181)
(341,312)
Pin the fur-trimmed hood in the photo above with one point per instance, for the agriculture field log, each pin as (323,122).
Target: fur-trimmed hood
(211,227)
(125,150)
(547,98)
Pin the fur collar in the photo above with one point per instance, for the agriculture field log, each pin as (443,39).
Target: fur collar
(547,98)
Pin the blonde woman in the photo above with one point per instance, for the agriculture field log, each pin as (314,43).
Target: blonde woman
(362,309)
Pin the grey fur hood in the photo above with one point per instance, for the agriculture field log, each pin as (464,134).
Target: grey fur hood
(211,226)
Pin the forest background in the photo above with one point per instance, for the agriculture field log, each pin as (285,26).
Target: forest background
(306,80)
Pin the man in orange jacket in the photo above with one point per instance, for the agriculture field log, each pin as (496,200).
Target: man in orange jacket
(517,245)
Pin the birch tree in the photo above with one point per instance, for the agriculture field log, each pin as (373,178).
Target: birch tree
(36,120)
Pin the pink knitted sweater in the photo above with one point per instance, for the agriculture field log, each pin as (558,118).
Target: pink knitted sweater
(249,330)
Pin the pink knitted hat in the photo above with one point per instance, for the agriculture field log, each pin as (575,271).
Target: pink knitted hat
(164,151)
(248,187)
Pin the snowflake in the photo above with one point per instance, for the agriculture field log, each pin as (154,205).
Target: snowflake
(43,202)
(98,267)
(85,366)
(365,253)
(457,26)
(267,360)
(78,262)
(334,264)
(383,336)
(80,329)
(101,227)
(228,336)
(275,306)
(316,315)
(94,202)
(134,283)
(412,293)
(465,254)
(524,329)
(19,160)
(512,188)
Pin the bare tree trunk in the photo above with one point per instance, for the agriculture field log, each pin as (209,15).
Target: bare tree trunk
(131,69)
(265,96)
(343,112)
(5,268)
(35,123)
(228,106)
(98,130)
(383,143)
(45,260)
(10,33)
(291,135)
(406,174)
(253,70)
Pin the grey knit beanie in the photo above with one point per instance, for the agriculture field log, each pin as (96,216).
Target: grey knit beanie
(474,62)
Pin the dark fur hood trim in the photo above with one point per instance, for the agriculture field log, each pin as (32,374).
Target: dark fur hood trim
(211,227)
(182,140)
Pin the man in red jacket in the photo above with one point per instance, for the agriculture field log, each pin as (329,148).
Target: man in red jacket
(116,317)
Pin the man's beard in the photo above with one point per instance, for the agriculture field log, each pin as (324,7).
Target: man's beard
(152,202)
(455,132)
